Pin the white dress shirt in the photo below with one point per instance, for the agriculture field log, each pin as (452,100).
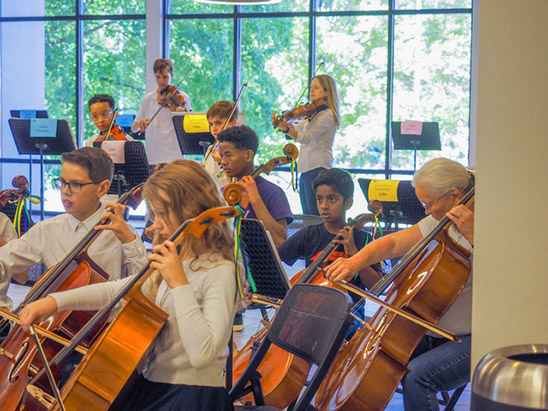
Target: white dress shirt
(316,137)
(7,230)
(48,242)
(160,137)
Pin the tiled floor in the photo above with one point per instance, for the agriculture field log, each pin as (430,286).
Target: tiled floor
(252,325)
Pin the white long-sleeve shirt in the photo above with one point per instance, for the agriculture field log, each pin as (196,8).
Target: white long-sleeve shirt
(316,137)
(48,242)
(161,141)
(192,347)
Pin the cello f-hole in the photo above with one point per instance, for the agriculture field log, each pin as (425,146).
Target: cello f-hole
(18,363)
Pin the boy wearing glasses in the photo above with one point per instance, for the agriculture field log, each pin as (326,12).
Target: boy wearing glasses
(86,175)
(101,109)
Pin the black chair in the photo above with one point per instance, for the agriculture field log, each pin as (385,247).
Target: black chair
(311,323)
(301,221)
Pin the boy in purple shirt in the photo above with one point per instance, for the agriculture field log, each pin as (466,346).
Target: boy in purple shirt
(267,202)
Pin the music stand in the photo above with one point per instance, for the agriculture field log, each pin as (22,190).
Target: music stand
(29,113)
(133,171)
(406,208)
(428,139)
(263,261)
(63,142)
(192,132)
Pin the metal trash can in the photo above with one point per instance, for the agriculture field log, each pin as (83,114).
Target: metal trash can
(512,378)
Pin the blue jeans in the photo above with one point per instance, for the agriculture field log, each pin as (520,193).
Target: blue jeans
(437,365)
(307,192)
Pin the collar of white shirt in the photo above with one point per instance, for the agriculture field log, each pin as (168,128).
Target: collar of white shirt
(88,223)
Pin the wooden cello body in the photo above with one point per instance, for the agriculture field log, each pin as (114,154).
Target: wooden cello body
(283,374)
(371,365)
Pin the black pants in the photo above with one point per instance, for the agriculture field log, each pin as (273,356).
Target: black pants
(146,395)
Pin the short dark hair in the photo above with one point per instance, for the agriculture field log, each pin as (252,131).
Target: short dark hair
(242,137)
(340,180)
(163,64)
(96,161)
(101,98)
(222,109)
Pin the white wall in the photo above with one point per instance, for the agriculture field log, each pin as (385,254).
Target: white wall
(510,301)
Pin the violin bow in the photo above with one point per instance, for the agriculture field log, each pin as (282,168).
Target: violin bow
(309,84)
(229,116)
(413,318)
(167,99)
(111,123)
(42,331)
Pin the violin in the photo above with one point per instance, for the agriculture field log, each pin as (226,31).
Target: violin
(172,97)
(302,111)
(21,185)
(114,131)
(169,97)
(283,374)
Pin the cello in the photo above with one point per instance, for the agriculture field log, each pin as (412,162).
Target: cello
(426,282)
(100,380)
(18,353)
(283,374)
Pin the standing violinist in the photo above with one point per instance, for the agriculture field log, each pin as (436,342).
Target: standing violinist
(101,109)
(160,137)
(437,364)
(316,135)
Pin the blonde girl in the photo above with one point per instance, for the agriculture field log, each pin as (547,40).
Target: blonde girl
(196,287)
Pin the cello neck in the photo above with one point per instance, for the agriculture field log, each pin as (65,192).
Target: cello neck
(385,282)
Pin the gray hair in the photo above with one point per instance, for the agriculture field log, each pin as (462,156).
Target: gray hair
(440,175)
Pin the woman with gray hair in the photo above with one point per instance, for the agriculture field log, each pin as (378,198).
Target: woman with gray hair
(437,364)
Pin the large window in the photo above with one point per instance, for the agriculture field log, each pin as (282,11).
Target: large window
(392,60)
(56,54)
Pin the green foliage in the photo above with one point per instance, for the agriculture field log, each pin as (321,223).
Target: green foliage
(431,77)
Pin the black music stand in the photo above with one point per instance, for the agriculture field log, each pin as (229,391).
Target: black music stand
(133,171)
(429,139)
(63,142)
(192,140)
(263,261)
(29,114)
(406,210)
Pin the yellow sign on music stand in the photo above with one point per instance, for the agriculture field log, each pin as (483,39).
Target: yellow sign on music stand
(383,190)
(196,124)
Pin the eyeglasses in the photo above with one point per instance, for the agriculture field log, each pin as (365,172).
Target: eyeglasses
(428,206)
(102,116)
(74,187)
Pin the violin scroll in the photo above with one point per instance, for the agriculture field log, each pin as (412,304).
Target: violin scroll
(235,193)
(376,207)
(291,150)
(20,182)
(21,185)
